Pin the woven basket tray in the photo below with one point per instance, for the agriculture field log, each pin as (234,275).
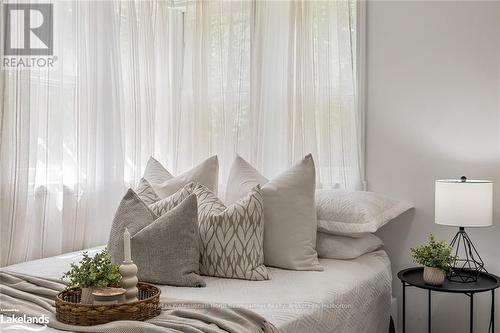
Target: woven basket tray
(69,310)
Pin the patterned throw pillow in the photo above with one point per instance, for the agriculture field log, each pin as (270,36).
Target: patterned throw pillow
(232,237)
(161,206)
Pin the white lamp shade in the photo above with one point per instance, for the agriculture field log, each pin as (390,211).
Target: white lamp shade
(464,204)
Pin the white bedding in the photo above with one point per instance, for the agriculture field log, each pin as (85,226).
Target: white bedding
(351,296)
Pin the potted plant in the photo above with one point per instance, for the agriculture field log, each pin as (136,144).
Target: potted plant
(437,259)
(92,273)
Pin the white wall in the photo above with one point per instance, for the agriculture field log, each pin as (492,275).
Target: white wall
(433,111)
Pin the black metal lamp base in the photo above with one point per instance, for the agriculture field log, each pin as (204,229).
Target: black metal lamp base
(468,263)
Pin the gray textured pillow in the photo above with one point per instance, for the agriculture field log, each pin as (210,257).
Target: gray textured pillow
(232,238)
(166,248)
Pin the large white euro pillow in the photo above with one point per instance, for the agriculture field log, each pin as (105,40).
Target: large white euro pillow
(355,213)
(344,247)
(289,212)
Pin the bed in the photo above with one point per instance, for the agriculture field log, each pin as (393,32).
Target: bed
(352,296)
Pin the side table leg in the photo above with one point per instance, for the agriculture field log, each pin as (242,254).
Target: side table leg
(492,310)
(471,312)
(429,313)
(404,307)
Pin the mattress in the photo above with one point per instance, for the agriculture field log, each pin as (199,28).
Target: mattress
(351,296)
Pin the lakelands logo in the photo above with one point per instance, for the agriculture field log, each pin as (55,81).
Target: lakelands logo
(28,35)
(19,323)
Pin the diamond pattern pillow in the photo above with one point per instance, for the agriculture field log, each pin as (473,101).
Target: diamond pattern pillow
(160,206)
(231,238)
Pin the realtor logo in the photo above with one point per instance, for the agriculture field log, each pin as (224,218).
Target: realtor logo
(28,29)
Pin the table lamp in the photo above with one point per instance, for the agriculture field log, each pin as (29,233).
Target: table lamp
(464,203)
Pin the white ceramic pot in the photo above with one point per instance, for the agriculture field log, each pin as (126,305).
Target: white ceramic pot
(434,276)
(87,297)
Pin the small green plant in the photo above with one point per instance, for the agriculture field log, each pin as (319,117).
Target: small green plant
(97,271)
(435,254)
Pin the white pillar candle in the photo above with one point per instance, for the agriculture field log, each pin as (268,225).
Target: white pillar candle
(126,246)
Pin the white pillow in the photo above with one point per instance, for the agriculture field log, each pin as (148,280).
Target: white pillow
(289,212)
(343,247)
(164,184)
(354,213)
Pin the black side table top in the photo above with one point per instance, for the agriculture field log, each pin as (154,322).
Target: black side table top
(485,282)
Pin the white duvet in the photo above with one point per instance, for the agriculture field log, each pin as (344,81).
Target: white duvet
(351,296)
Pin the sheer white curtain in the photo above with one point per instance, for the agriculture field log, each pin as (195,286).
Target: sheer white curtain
(73,137)
(61,157)
(273,81)
(270,80)
(151,49)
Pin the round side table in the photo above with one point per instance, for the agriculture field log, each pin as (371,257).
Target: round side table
(413,277)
